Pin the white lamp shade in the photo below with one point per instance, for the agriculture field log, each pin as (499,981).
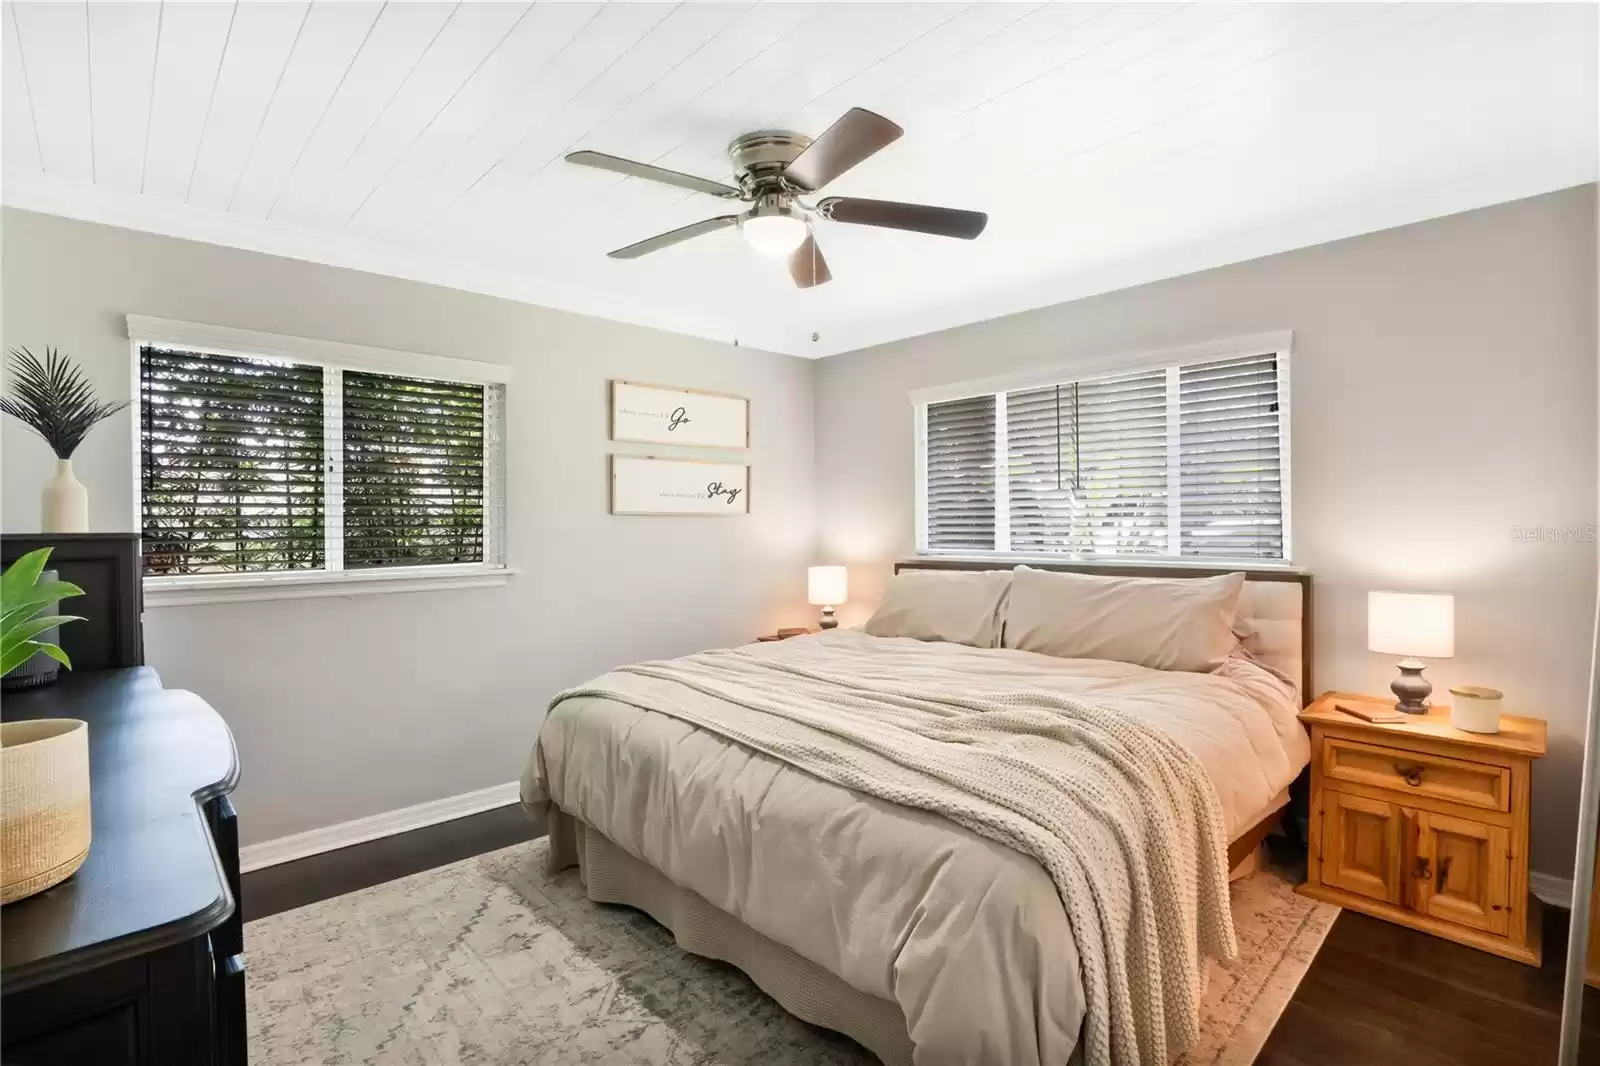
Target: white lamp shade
(827,586)
(1412,623)
(773,235)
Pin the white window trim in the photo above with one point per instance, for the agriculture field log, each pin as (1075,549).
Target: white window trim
(1107,365)
(252,344)
(1206,564)
(316,584)
(919,449)
(1279,342)
(334,355)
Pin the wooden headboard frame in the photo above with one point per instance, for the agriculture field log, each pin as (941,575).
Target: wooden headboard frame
(1307,693)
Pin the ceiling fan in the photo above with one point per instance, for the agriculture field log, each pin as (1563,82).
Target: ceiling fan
(775,170)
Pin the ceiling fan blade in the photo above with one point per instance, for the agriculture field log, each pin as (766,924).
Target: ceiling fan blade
(673,236)
(807,266)
(633,169)
(918,218)
(857,134)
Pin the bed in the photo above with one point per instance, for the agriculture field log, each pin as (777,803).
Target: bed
(927,942)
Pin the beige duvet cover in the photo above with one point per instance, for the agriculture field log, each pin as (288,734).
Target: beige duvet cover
(968,937)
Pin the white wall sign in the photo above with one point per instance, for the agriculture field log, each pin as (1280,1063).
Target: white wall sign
(641,485)
(652,414)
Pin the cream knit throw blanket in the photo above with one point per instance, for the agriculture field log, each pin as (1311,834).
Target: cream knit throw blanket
(1124,819)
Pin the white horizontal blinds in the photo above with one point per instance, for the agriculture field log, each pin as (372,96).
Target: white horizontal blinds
(961,474)
(1181,460)
(413,471)
(1122,465)
(230,468)
(1230,467)
(1042,467)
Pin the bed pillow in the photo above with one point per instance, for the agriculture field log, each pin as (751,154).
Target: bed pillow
(1163,623)
(962,607)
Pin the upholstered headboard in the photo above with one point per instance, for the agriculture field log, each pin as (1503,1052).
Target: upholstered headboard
(1275,603)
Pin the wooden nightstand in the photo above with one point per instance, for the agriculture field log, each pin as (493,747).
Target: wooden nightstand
(1425,825)
(784,634)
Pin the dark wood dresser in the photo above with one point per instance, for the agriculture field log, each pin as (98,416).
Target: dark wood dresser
(138,958)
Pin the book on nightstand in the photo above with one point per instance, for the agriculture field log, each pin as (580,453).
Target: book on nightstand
(1371,712)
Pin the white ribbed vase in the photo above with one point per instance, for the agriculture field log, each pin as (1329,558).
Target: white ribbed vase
(44,804)
(64,504)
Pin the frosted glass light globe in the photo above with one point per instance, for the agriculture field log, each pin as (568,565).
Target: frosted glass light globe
(774,235)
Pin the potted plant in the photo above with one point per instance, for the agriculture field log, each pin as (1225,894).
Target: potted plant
(28,621)
(44,763)
(52,398)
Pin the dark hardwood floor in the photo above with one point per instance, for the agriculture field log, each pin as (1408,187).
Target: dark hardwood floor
(333,873)
(1376,994)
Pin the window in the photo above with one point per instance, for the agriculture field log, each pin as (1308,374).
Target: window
(961,486)
(230,465)
(1179,459)
(287,467)
(413,471)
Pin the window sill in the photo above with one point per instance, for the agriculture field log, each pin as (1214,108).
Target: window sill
(1143,562)
(236,588)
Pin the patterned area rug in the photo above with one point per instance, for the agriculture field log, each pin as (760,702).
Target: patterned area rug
(493,962)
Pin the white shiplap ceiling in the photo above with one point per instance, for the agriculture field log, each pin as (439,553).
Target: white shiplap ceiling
(1110,143)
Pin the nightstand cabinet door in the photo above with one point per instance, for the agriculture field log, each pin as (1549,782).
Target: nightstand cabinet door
(1463,872)
(1361,846)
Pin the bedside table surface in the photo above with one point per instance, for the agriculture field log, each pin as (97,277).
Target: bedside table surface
(1518,735)
(768,638)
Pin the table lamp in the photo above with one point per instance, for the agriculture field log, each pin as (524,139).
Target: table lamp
(827,587)
(1416,625)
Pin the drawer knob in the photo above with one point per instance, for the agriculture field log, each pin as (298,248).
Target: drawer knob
(1411,772)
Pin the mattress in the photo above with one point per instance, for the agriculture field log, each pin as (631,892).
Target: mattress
(967,938)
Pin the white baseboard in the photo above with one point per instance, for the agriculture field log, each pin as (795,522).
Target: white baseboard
(330,838)
(1556,891)
(1551,890)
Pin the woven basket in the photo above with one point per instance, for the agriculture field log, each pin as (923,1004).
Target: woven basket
(44,804)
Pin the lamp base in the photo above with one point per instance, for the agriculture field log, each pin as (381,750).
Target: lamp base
(1411,689)
(828,620)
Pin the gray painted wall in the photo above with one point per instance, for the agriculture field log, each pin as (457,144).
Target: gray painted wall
(1483,324)
(1443,394)
(350,707)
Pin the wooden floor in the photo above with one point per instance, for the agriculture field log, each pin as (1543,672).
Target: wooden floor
(1376,995)
(333,873)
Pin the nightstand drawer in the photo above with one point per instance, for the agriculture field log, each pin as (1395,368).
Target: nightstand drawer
(1415,773)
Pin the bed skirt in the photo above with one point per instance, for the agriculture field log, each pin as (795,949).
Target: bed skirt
(800,986)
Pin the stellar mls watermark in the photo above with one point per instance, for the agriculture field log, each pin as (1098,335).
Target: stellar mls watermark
(1542,534)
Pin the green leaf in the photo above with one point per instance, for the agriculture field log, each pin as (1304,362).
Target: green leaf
(56,590)
(17,615)
(53,651)
(12,658)
(35,598)
(22,574)
(32,628)
(22,598)
(15,657)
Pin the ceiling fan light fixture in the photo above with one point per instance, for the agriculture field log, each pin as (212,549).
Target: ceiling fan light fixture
(772,171)
(774,235)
